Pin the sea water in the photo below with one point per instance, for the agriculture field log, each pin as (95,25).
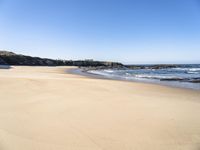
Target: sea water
(185,76)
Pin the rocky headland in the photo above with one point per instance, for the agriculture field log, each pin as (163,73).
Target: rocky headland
(10,58)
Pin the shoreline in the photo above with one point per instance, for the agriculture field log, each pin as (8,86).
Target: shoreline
(79,71)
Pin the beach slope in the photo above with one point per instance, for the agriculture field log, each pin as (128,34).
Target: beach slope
(44,108)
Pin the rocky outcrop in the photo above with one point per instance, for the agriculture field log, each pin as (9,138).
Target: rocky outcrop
(192,80)
(157,66)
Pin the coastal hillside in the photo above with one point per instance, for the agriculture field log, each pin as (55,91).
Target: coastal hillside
(2,62)
(10,58)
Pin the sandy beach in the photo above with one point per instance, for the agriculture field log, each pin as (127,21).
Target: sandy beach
(44,108)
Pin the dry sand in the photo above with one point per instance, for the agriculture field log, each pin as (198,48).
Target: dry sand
(42,108)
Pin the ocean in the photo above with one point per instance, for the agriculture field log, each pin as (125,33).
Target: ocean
(183,76)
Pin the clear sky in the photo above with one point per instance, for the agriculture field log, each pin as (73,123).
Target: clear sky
(129,31)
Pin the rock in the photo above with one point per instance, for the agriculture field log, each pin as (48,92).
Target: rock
(162,66)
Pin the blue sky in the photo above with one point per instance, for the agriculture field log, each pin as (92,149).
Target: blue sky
(129,31)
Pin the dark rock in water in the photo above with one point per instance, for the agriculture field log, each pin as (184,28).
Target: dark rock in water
(192,80)
(172,79)
(195,81)
(162,66)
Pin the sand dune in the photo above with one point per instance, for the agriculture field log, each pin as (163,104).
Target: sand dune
(43,108)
